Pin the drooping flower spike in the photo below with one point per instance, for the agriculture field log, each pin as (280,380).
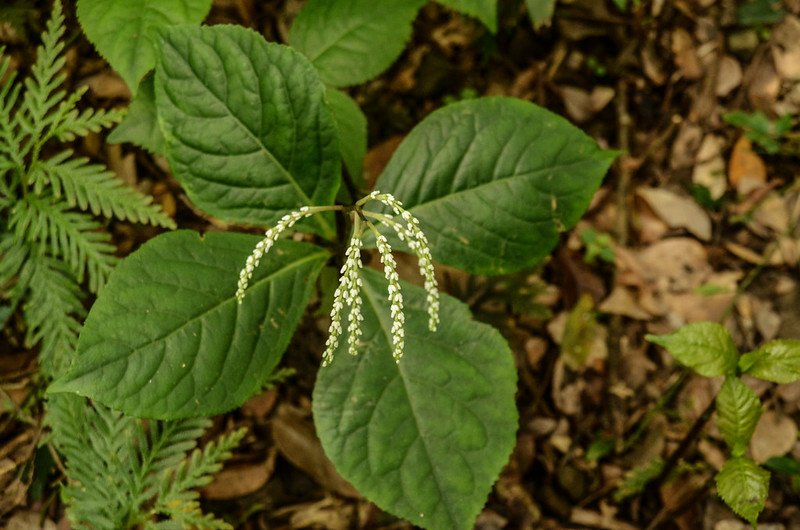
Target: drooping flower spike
(348,293)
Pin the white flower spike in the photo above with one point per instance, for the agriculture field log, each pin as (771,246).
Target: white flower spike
(348,293)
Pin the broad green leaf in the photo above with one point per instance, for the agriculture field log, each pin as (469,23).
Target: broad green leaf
(166,338)
(540,11)
(352,41)
(352,127)
(705,347)
(483,10)
(124,32)
(738,410)
(777,361)
(140,125)
(743,485)
(494,181)
(248,133)
(424,439)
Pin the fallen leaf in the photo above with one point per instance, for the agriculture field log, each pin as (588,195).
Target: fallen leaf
(240,480)
(729,76)
(294,436)
(785,47)
(685,55)
(582,105)
(677,264)
(677,211)
(746,170)
(775,435)
(709,171)
(622,302)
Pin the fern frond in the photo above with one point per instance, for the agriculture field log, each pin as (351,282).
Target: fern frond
(73,236)
(176,497)
(74,124)
(9,138)
(92,187)
(95,443)
(41,88)
(53,311)
(164,447)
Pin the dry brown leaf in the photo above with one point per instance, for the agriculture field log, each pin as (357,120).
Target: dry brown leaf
(773,214)
(294,436)
(677,264)
(746,170)
(29,521)
(709,171)
(751,256)
(785,46)
(677,211)
(240,480)
(775,435)
(686,145)
(763,91)
(585,517)
(729,76)
(582,105)
(108,85)
(260,405)
(378,157)
(622,302)
(685,55)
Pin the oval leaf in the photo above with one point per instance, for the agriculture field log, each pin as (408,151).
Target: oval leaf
(744,486)
(351,125)
(777,361)
(347,42)
(140,125)
(248,133)
(483,10)
(123,32)
(738,411)
(167,339)
(424,439)
(494,181)
(705,347)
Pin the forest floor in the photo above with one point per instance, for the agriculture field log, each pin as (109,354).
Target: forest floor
(697,220)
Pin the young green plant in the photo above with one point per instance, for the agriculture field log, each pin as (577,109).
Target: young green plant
(486,185)
(708,349)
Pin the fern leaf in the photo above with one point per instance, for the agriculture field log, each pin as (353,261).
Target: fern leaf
(91,187)
(74,124)
(73,236)
(53,311)
(177,499)
(41,88)
(96,447)
(165,447)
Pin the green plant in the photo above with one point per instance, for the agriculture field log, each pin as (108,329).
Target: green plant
(120,471)
(708,349)
(766,133)
(492,182)
(597,245)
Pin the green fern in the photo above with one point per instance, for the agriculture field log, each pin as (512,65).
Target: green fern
(49,205)
(123,475)
(121,472)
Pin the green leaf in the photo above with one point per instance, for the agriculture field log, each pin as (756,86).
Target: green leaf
(738,410)
(540,11)
(743,485)
(351,125)
(140,125)
(166,338)
(247,130)
(483,10)
(426,438)
(705,347)
(494,181)
(777,361)
(124,32)
(348,41)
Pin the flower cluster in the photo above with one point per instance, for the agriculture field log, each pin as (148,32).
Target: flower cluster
(263,246)
(348,293)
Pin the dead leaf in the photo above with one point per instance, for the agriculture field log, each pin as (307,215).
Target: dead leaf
(709,171)
(785,46)
(746,170)
(582,105)
(775,435)
(29,521)
(685,55)
(240,480)
(677,211)
(378,157)
(622,302)
(108,85)
(729,76)
(763,91)
(677,264)
(686,145)
(294,436)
